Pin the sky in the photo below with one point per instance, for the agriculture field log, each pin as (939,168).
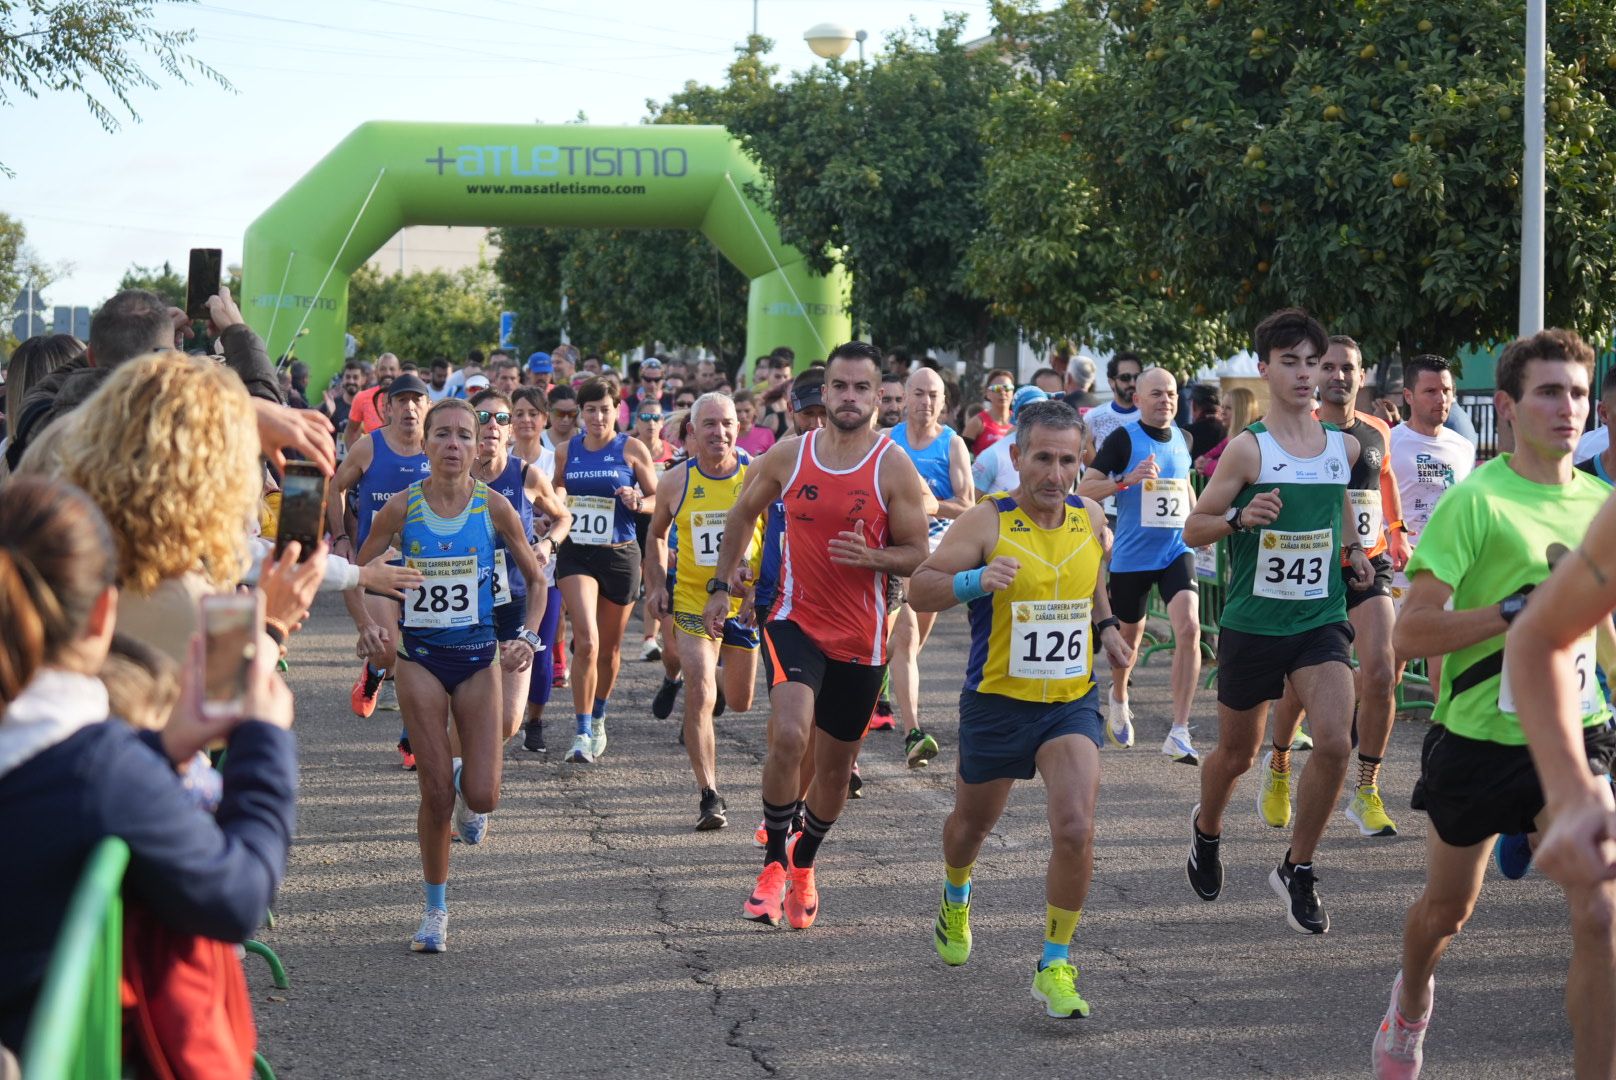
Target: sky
(203,162)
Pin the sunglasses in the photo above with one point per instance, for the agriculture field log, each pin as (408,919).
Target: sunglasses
(1002,388)
(504,418)
(651,417)
(650,378)
(565,412)
(1127,378)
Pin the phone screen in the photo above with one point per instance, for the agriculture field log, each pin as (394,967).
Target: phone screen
(302,509)
(203,282)
(230,633)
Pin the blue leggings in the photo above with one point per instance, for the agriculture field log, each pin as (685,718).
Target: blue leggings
(538,688)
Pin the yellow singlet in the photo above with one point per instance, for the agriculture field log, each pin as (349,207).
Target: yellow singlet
(698,531)
(1033,641)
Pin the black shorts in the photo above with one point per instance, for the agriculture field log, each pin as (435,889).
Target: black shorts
(1381,586)
(1473,789)
(999,736)
(615,567)
(1130,589)
(844,692)
(1252,667)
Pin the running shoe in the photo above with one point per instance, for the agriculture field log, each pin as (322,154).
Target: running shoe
(1512,854)
(953,932)
(1399,1047)
(1055,988)
(1205,866)
(582,750)
(761,837)
(855,783)
(719,705)
(387,696)
(533,737)
(1368,813)
(1302,741)
(650,650)
(882,719)
(767,902)
(470,828)
(1298,887)
(558,681)
(597,741)
(1274,795)
(919,748)
(433,937)
(711,816)
(1118,723)
(1177,746)
(662,704)
(802,895)
(406,755)
(362,699)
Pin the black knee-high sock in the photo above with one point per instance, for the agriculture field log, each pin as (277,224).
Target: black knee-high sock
(814,829)
(776,825)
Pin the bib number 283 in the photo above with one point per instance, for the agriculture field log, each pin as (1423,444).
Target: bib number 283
(448,595)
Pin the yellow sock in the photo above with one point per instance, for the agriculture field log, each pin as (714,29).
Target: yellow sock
(958,876)
(1060,924)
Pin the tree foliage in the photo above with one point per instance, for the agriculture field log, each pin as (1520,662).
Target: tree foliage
(93,48)
(165,281)
(424,314)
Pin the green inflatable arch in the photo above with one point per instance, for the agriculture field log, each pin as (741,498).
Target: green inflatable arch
(384,176)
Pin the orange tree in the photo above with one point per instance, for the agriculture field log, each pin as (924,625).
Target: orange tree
(1359,159)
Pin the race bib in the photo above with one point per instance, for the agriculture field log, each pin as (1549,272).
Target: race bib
(707,535)
(592,518)
(1366,518)
(1050,639)
(502,580)
(1294,565)
(1164,503)
(1206,562)
(448,595)
(1588,699)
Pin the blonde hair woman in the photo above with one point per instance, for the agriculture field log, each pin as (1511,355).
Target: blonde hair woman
(1240,405)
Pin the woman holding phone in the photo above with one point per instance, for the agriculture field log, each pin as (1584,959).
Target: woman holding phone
(449,524)
(598,566)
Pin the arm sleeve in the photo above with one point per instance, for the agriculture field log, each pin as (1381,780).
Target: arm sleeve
(244,353)
(1112,457)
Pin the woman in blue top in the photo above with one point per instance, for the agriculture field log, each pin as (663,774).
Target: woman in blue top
(448,524)
(598,566)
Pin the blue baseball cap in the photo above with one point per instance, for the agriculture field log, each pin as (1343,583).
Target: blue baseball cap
(1025,396)
(539,363)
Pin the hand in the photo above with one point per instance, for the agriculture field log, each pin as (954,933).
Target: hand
(928,503)
(1387,410)
(629,498)
(1118,653)
(1398,548)
(222,312)
(1363,571)
(343,546)
(308,431)
(1262,510)
(542,549)
(289,586)
(1145,470)
(515,655)
(1579,847)
(188,731)
(183,330)
(379,577)
(998,574)
(656,603)
(714,614)
(375,645)
(849,548)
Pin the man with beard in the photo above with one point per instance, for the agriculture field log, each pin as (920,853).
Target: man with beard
(1122,370)
(365,414)
(891,411)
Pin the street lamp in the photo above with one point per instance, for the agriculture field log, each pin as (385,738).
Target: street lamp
(830,40)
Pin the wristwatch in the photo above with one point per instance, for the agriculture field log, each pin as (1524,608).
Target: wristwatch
(1106,623)
(1511,606)
(532,638)
(718,585)
(1233,518)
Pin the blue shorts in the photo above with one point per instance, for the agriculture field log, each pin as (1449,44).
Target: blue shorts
(736,636)
(999,737)
(451,665)
(509,618)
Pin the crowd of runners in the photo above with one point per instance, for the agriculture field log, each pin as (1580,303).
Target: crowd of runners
(497,525)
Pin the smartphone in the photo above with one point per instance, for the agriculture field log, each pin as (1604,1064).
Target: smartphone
(302,508)
(203,282)
(231,623)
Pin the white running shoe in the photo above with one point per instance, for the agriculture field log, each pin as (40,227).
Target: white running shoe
(433,937)
(650,650)
(1177,746)
(1118,723)
(597,741)
(581,751)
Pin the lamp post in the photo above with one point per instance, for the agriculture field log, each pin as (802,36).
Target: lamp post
(1532,178)
(830,40)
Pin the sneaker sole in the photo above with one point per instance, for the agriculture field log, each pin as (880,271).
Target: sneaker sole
(766,920)
(712,824)
(423,947)
(1364,830)
(1284,894)
(1048,1011)
(1115,743)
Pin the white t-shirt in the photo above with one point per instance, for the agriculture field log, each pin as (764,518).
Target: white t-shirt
(1425,468)
(992,471)
(1102,421)
(1591,445)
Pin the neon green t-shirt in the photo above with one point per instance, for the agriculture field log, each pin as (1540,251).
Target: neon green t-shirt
(1491,536)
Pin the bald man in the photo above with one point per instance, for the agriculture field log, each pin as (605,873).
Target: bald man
(939,455)
(1145,463)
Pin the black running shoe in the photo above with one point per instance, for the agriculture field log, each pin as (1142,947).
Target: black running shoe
(533,737)
(1205,866)
(718,706)
(1298,887)
(662,704)
(712,812)
(855,784)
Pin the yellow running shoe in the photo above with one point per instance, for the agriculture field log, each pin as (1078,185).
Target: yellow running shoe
(1368,813)
(953,936)
(1274,798)
(1056,988)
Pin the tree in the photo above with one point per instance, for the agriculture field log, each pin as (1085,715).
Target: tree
(1358,159)
(422,315)
(166,282)
(20,265)
(93,48)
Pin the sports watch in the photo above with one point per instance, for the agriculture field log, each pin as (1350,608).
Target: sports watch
(1233,518)
(718,585)
(1511,606)
(532,638)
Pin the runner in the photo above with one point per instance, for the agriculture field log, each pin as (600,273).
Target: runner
(598,566)
(377,467)
(530,494)
(1028,565)
(1122,371)
(446,650)
(1603,464)
(854,513)
(1145,464)
(694,499)
(1280,493)
(1490,542)
(365,414)
(1377,517)
(993,423)
(993,470)
(890,414)
(529,416)
(939,456)
(646,424)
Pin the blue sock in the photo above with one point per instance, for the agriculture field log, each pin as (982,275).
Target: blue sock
(957,894)
(404,735)
(436,895)
(600,708)
(1054,952)
(585,724)
(374,670)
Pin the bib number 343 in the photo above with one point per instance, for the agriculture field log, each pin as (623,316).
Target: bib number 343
(1049,639)
(1294,565)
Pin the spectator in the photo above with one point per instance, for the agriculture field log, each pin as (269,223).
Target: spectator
(1080,373)
(750,436)
(338,402)
(61,761)
(299,396)
(34,359)
(1204,429)
(1239,413)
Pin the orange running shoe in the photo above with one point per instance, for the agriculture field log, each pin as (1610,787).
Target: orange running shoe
(365,689)
(882,719)
(761,837)
(802,896)
(764,905)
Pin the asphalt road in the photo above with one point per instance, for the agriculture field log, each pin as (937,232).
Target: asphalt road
(595,934)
